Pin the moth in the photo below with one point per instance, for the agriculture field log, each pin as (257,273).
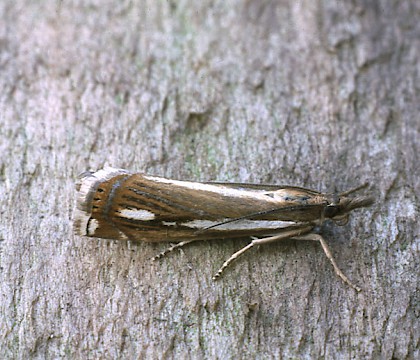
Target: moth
(116,204)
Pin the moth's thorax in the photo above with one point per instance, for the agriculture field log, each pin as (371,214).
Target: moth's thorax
(291,195)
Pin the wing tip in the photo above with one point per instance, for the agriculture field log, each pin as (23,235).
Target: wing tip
(86,186)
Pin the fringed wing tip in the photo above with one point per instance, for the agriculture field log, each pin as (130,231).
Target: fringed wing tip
(86,186)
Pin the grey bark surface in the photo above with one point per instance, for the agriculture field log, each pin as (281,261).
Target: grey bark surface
(321,94)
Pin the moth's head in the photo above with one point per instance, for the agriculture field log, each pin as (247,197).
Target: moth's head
(341,205)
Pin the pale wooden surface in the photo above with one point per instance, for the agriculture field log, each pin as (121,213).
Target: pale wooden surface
(308,93)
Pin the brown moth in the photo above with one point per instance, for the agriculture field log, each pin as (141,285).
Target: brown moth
(116,204)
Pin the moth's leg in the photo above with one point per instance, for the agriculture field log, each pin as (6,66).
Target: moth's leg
(232,258)
(282,236)
(172,248)
(327,251)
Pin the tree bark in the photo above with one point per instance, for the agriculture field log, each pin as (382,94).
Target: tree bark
(321,94)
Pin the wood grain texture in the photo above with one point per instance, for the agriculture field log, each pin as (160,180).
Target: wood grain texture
(317,94)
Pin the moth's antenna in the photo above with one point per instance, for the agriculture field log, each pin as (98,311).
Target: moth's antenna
(345,193)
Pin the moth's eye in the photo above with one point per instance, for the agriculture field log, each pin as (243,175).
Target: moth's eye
(331,210)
